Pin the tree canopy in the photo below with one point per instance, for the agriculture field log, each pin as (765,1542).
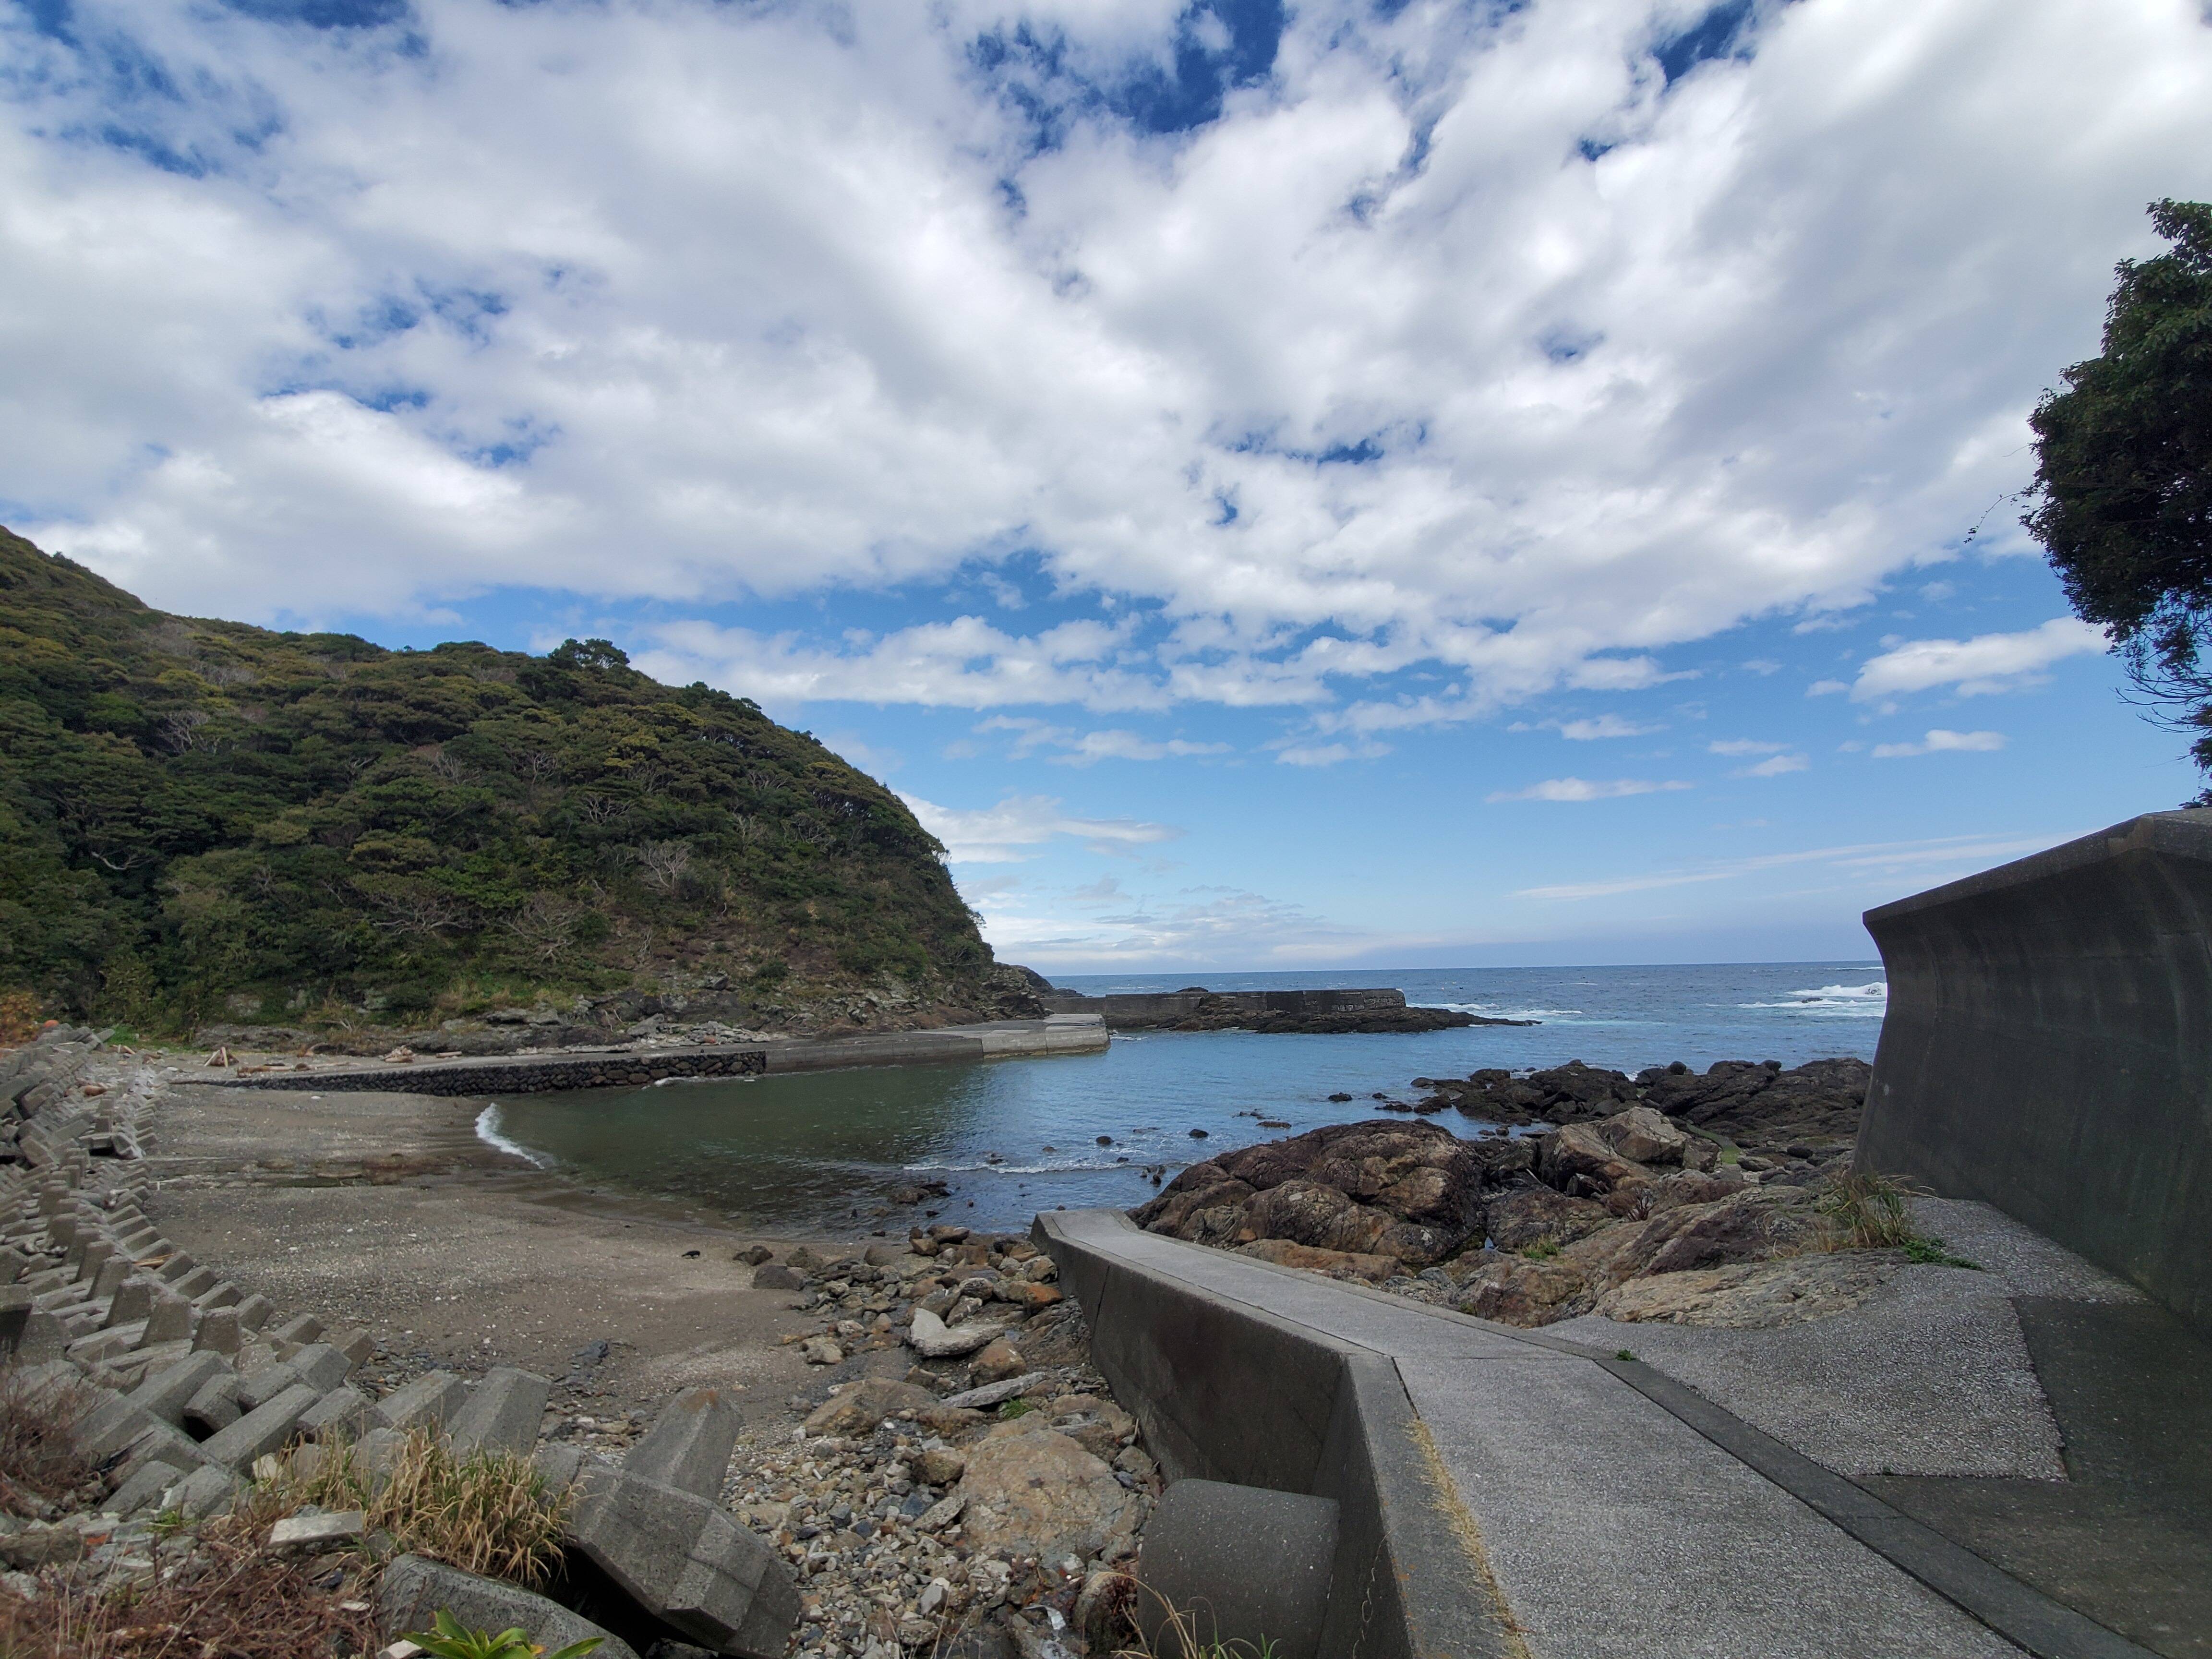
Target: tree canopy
(2122,500)
(201,817)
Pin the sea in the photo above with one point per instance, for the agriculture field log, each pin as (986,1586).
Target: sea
(823,1152)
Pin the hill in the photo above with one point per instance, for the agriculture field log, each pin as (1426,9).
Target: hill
(207,821)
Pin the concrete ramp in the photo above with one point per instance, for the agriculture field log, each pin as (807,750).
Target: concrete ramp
(1503,1493)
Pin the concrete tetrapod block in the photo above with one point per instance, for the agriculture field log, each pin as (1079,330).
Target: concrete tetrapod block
(218,1331)
(215,1408)
(413,1592)
(689,1445)
(206,1491)
(687,1562)
(426,1403)
(168,1392)
(170,1321)
(262,1430)
(502,1414)
(1246,1564)
(343,1410)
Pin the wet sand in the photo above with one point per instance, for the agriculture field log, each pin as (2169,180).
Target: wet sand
(386,1211)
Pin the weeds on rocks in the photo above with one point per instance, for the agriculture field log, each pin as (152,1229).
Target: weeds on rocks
(236,1600)
(1182,1633)
(489,1513)
(37,1467)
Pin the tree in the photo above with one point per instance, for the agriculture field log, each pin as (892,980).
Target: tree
(2122,500)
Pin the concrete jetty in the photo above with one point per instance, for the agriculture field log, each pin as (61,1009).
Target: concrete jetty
(634,1066)
(1137,1010)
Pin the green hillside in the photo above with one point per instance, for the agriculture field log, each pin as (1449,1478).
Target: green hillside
(204,820)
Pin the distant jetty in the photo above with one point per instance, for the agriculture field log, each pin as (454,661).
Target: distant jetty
(1195,1008)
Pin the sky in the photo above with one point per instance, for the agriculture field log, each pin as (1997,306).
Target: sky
(1364,483)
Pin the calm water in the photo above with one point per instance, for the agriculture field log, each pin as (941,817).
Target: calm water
(821,1151)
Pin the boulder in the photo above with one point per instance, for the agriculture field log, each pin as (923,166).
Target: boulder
(413,1591)
(1579,1161)
(857,1409)
(1516,1291)
(1643,1136)
(774,1276)
(1031,1491)
(997,1360)
(1532,1216)
(933,1338)
(686,1562)
(1338,1264)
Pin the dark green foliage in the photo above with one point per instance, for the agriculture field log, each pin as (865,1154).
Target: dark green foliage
(2123,492)
(193,811)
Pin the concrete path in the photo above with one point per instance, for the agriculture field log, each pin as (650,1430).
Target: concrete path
(1618,1514)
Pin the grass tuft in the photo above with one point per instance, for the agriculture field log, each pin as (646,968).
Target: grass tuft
(488,1513)
(1868,1211)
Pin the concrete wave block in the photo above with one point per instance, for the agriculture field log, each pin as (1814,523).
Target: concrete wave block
(340,1411)
(218,1331)
(260,1430)
(502,1414)
(167,1393)
(689,1445)
(206,1491)
(301,1327)
(144,1490)
(215,1408)
(687,1562)
(170,1320)
(427,1402)
(413,1591)
(255,1311)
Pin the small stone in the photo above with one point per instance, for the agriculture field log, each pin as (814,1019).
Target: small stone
(330,1531)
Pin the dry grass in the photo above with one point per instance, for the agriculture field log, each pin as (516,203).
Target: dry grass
(242,1603)
(37,1466)
(1179,1632)
(1868,1211)
(489,1513)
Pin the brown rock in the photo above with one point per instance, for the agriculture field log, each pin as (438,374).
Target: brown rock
(1536,1215)
(774,1276)
(1643,1136)
(1031,1294)
(1035,1493)
(1516,1291)
(998,1361)
(1753,1225)
(940,1466)
(1343,1264)
(1580,1162)
(859,1408)
(1754,1295)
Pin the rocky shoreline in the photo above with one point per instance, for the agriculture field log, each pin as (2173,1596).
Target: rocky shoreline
(1671,1196)
(958,1487)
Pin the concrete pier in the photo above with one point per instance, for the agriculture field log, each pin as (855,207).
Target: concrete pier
(1132,1010)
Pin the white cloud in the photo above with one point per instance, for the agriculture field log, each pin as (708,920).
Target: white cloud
(1939,741)
(1827,688)
(1740,746)
(1987,663)
(1086,748)
(1586,789)
(1772,767)
(1872,859)
(686,302)
(1003,833)
(1605,726)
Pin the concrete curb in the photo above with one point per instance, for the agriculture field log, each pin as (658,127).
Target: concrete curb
(1229,1392)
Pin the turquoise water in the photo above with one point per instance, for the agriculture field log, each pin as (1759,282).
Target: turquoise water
(1014,1136)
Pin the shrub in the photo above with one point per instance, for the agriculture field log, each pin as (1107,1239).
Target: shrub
(1868,1211)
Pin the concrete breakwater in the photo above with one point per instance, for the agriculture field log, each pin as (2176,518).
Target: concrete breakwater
(636,1066)
(1321,1010)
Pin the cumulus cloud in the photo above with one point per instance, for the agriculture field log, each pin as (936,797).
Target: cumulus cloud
(1473,338)
(1942,742)
(1585,789)
(1985,663)
(1007,833)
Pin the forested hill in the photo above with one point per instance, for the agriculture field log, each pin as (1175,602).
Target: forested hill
(203,820)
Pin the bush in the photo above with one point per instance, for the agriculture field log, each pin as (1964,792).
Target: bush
(37,1466)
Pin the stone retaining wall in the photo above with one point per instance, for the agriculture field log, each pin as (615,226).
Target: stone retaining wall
(1125,1011)
(2048,1049)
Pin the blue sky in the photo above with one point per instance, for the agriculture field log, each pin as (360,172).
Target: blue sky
(1274,485)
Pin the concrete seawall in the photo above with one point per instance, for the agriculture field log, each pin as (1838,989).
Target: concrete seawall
(1127,1011)
(2048,1049)
(618,1068)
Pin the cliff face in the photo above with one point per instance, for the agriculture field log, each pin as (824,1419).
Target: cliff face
(204,821)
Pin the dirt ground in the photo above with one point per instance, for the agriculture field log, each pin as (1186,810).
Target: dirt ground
(386,1211)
